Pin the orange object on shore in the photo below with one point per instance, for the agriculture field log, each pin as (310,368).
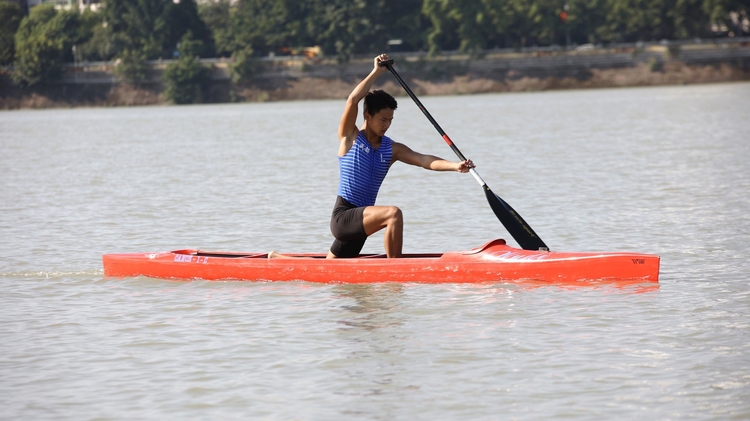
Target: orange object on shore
(493,262)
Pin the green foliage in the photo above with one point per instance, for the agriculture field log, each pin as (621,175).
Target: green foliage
(343,28)
(471,25)
(584,18)
(217,15)
(632,20)
(185,80)
(688,19)
(10,16)
(95,38)
(43,40)
(134,31)
(153,26)
(244,67)
(131,66)
(263,25)
(340,27)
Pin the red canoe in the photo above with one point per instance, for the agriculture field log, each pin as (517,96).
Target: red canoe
(493,262)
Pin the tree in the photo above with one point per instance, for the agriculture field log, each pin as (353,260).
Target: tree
(10,16)
(137,24)
(344,27)
(43,40)
(535,22)
(475,25)
(688,19)
(620,20)
(404,20)
(443,15)
(152,26)
(262,25)
(182,17)
(95,37)
(186,79)
(217,16)
(467,25)
(584,18)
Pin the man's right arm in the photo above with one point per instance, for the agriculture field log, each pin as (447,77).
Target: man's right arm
(348,125)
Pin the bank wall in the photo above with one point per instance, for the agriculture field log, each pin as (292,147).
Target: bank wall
(295,78)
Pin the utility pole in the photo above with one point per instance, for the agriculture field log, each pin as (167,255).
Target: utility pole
(75,65)
(564,19)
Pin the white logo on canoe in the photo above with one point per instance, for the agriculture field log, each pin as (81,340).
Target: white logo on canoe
(188,258)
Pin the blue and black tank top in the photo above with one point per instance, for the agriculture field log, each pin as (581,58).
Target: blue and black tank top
(363,169)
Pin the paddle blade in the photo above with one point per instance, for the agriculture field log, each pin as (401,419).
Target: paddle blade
(516,226)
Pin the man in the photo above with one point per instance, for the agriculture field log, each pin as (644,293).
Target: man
(365,155)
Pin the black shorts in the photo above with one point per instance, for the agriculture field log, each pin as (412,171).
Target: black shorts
(347,226)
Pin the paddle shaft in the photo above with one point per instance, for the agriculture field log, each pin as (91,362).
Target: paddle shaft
(389,66)
(513,222)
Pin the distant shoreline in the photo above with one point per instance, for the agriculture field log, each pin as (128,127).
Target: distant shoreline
(300,80)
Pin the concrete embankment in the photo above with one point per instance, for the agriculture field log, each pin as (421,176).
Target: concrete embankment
(296,78)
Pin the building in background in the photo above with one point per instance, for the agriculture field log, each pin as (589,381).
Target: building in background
(66,4)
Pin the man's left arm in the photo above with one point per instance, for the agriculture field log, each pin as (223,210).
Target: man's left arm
(404,154)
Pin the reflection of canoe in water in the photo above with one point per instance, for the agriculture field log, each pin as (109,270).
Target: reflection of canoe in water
(493,262)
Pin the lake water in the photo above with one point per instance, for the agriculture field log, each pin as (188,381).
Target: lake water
(655,170)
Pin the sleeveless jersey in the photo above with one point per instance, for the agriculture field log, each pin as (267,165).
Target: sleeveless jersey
(363,169)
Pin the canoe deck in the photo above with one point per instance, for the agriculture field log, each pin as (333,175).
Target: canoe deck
(493,262)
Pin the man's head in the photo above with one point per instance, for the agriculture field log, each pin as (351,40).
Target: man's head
(378,100)
(378,111)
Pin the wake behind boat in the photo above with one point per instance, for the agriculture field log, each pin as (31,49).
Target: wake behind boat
(492,262)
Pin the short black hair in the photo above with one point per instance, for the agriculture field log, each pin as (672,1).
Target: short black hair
(378,100)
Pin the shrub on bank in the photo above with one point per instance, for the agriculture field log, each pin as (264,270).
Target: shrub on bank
(131,66)
(186,79)
(244,67)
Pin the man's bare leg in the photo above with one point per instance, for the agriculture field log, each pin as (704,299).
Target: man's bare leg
(376,218)
(276,255)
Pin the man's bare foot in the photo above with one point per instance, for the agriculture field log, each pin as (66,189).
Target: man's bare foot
(274,255)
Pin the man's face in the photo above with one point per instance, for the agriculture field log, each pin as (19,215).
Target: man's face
(381,121)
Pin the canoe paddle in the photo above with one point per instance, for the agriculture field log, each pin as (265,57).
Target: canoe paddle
(516,226)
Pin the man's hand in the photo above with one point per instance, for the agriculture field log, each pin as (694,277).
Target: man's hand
(383,58)
(465,166)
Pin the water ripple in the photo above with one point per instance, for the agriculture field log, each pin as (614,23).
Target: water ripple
(657,170)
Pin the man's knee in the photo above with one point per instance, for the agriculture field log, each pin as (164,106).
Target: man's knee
(380,217)
(395,214)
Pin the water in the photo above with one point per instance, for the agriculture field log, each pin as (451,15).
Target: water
(655,170)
